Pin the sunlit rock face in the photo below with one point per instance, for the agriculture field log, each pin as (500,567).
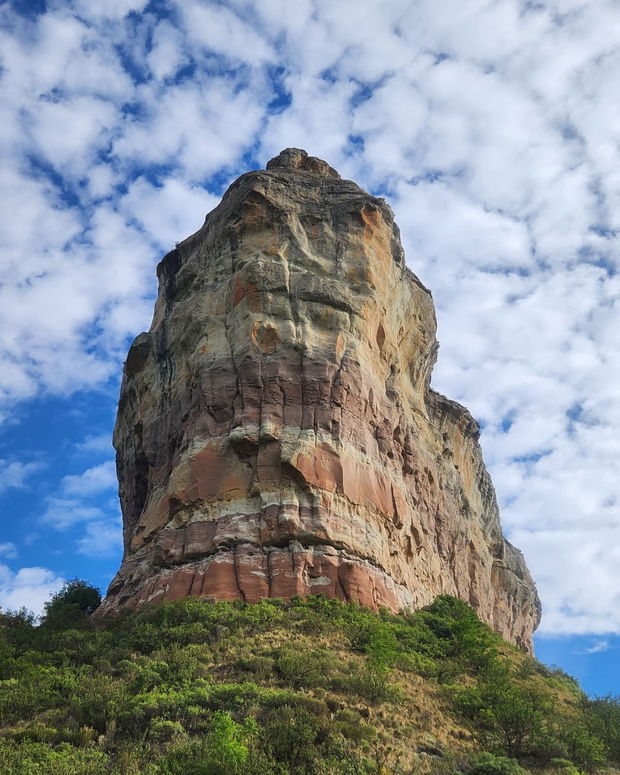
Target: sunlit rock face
(276,433)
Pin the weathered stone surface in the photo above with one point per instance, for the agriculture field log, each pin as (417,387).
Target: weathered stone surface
(276,432)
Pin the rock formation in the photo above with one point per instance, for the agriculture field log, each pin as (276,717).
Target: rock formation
(276,432)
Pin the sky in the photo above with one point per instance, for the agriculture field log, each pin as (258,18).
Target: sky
(492,128)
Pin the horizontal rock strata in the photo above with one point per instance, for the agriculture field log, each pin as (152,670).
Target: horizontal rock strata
(276,432)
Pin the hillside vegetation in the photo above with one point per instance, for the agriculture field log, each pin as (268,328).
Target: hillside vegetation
(310,686)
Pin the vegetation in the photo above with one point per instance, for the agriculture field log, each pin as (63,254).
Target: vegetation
(74,603)
(312,687)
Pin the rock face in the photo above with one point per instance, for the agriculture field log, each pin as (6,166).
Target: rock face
(276,432)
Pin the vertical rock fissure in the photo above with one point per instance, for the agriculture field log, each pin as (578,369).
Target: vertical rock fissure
(236,569)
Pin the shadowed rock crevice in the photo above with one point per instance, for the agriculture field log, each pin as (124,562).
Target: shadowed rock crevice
(276,433)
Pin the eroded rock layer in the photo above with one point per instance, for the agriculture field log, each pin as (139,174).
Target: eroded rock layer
(276,433)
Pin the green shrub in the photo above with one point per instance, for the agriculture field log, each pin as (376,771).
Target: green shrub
(563,766)
(40,759)
(293,736)
(602,715)
(152,693)
(73,603)
(509,714)
(489,764)
(162,730)
(373,683)
(224,751)
(583,746)
(349,724)
(382,646)
(35,733)
(305,668)
(261,666)
(414,662)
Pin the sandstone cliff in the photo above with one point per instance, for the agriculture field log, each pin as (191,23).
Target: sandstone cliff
(276,432)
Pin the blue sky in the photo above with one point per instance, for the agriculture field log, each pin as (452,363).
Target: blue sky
(492,128)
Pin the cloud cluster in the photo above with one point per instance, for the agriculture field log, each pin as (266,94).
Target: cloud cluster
(8,549)
(14,473)
(492,129)
(28,588)
(86,503)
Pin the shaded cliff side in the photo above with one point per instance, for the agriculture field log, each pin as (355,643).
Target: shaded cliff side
(276,432)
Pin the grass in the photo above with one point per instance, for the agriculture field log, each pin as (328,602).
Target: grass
(308,686)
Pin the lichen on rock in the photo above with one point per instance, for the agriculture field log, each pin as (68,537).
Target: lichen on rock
(277,434)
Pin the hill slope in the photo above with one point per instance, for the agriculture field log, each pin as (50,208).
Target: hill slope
(308,686)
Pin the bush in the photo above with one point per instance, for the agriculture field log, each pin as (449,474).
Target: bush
(373,683)
(293,736)
(510,714)
(584,748)
(261,666)
(74,603)
(162,731)
(40,759)
(305,668)
(563,766)
(602,716)
(152,693)
(224,751)
(489,764)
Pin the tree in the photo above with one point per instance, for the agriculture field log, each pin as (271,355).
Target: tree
(73,604)
(224,750)
(603,718)
(511,713)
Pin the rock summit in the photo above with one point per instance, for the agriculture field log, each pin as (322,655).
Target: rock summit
(277,434)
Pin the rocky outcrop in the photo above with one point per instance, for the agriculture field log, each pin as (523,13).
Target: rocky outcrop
(276,432)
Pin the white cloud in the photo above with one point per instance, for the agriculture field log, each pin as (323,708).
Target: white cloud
(572,555)
(111,9)
(28,587)
(101,539)
(493,131)
(599,647)
(96,444)
(101,180)
(196,127)
(319,118)
(86,503)
(170,212)
(8,550)
(68,133)
(92,481)
(63,513)
(222,32)
(167,53)
(15,473)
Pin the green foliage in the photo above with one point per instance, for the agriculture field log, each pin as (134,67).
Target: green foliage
(490,764)
(224,751)
(510,714)
(71,605)
(558,678)
(382,647)
(293,735)
(163,730)
(602,716)
(305,668)
(372,681)
(312,686)
(22,619)
(582,745)
(40,759)
(563,766)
